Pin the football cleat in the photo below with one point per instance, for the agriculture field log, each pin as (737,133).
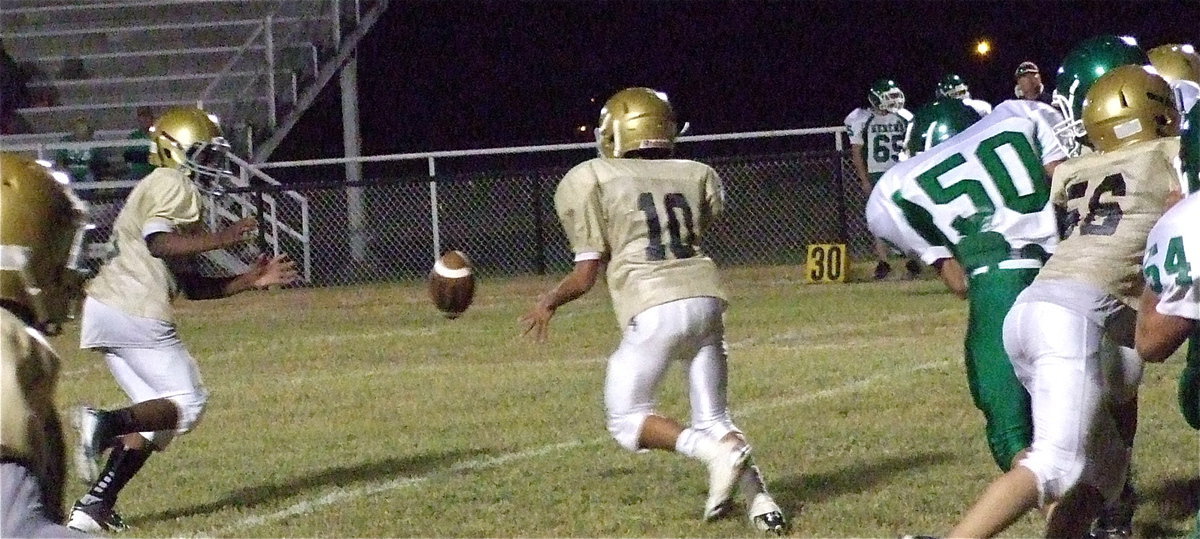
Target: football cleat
(95,517)
(87,454)
(913,268)
(882,270)
(1116,520)
(766,516)
(724,470)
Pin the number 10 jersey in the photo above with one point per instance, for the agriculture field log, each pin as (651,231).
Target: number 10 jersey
(647,216)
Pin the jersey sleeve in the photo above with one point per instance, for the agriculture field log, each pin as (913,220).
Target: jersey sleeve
(855,122)
(887,221)
(1049,145)
(577,202)
(170,203)
(714,191)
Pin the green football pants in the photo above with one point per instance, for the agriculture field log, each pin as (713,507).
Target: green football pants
(1189,383)
(994,385)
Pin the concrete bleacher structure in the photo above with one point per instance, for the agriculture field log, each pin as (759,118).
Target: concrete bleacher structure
(250,62)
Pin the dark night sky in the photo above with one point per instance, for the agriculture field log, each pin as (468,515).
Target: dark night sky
(457,74)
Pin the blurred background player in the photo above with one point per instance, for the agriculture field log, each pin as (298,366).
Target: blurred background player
(1057,333)
(643,215)
(1170,304)
(956,204)
(876,141)
(1029,83)
(952,86)
(1180,65)
(41,238)
(127,315)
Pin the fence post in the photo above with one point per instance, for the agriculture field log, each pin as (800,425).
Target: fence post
(434,218)
(539,224)
(843,221)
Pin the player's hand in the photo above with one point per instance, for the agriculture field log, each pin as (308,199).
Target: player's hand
(237,232)
(536,323)
(1173,197)
(267,271)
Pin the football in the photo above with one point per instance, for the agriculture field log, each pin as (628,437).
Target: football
(452,283)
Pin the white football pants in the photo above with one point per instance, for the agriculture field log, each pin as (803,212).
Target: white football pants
(1060,357)
(691,331)
(160,373)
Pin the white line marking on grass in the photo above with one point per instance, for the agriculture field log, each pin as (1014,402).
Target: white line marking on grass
(340,495)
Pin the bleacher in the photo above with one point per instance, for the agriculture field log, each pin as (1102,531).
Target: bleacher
(250,62)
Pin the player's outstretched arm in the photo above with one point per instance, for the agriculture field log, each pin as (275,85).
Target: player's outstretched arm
(1159,335)
(536,322)
(265,272)
(953,275)
(177,243)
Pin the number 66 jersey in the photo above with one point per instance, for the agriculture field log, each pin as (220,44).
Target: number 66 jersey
(1112,200)
(647,216)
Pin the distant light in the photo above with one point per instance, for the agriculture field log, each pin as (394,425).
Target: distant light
(583,129)
(983,47)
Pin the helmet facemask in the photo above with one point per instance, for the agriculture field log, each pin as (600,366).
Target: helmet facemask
(890,101)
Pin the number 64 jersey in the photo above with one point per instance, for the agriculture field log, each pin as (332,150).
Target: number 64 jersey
(987,180)
(1172,261)
(647,217)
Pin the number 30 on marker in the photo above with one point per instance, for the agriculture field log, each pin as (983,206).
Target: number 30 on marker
(826,263)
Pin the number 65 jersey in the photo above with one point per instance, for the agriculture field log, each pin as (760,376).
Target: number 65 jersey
(1112,200)
(987,180)
(647,217)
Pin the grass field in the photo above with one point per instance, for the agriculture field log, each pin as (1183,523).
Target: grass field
(361,412)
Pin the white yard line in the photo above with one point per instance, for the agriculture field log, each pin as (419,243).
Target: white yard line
(344,495)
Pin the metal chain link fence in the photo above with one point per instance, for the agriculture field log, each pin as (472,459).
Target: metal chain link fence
(775,206)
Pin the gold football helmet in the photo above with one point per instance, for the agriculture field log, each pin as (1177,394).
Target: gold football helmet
(42,226)
(1129,104)
(1176,62)
(190,139)
(636,119)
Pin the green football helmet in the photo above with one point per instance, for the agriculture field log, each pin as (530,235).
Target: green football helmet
(1086,63)
(932,124)
(886,96)
(953,87)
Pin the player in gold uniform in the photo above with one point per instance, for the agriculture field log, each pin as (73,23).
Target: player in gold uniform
(41,235)
(643,215)
(1064,333)
(127,315)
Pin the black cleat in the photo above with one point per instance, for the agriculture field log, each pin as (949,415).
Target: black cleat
(1116,520)
(913,268)
(95,517)
(882,270)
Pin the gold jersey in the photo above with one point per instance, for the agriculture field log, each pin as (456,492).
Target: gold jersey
(132,279)
(30,430)
(1112,200)
(647,217)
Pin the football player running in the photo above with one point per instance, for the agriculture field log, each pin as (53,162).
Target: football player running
(952,86)
(41,239)
(876,143)
(1170,303)
(975,196)
(127,314)
(1064,330)
(642,215)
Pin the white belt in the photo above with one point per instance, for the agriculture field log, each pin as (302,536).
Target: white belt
(1020,263)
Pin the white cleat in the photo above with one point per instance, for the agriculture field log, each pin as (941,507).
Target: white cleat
(724,471)
(765,515)
(87,453)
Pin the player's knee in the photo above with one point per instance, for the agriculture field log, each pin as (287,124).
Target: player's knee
(1056,472)
(626,428)
(191,409)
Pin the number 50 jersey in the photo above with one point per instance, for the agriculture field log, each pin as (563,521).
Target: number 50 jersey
(987,179)
(647,216)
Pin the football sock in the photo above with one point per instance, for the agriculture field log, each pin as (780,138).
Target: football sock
(751,482)
(697,445)
(113,423)
(123,463)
